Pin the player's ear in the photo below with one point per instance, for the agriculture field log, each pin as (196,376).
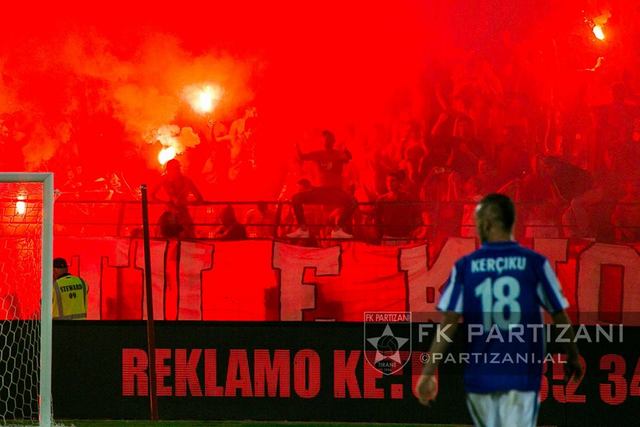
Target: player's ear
(487,225)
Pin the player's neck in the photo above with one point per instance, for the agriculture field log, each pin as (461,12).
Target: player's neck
(500,238)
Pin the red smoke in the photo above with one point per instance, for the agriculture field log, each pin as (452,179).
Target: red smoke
(79,84)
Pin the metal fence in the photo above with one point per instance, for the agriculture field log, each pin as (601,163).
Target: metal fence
(608,221)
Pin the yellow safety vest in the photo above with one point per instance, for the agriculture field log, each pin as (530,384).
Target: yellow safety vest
(70,298)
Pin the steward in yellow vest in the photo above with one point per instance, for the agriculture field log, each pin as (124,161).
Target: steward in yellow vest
(69,293)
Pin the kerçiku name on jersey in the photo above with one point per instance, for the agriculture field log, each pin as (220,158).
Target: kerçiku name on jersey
(499,264)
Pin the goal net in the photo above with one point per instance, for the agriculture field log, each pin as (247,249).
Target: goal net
(25,298)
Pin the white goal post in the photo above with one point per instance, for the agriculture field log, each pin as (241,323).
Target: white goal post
(44,412)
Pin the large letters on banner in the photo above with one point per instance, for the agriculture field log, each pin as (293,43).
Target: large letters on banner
(158,268)
(190,279)
(292,261)
(590,295)
(263,280)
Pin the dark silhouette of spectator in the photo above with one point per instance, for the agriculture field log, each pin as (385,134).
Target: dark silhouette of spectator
(486,179)
(241,141)
(260,221)
(75,183)
(170,225)
(412,161)
(624,158)
(396,216)
(441,191)
(615,122)
(230,229)
(407,185)
(539,199)
(462,160)
(328,191)
(177,191)
(571,181)
(589,213)
(626,214)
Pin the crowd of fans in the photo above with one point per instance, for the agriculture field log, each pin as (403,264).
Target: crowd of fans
(570,168)
(573,175)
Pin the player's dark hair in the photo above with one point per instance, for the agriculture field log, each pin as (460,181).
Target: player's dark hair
(501,208)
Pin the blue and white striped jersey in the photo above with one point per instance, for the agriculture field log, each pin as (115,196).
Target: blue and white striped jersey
(500,290)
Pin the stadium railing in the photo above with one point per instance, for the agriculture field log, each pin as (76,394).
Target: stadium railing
(121,218)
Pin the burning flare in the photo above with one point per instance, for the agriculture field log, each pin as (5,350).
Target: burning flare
(203,99)
(598,32)
(597,24)
(166,154)
(21,206)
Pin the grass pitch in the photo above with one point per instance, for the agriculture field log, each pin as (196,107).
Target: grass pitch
(123,423)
